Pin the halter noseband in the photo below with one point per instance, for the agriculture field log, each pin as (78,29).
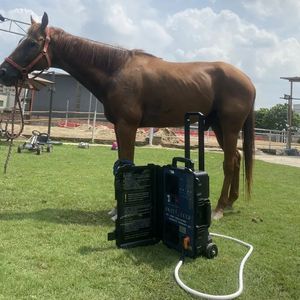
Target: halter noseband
(44,53)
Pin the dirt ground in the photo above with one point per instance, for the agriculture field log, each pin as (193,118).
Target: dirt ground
(293,161)
(165,137)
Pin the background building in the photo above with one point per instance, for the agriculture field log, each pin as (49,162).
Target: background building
(68,94)
(7,97)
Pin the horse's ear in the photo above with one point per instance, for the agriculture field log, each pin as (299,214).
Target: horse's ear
(32,21)
(44,21)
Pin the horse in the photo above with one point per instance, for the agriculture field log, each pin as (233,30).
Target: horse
(138,89)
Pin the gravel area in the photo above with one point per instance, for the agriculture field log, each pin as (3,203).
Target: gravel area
(293,161)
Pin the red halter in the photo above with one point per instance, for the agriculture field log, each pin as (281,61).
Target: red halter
(44,53)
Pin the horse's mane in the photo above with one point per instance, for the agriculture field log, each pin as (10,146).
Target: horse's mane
(108,57)
(141,52)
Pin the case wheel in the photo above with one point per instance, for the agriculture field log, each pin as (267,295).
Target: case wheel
(38,150)
(49,148)
(211,250)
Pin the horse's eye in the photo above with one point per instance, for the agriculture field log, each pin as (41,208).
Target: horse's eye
(32,43)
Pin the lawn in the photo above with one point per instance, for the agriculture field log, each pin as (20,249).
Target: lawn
(54,225)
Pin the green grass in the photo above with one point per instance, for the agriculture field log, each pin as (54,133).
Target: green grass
(54,225)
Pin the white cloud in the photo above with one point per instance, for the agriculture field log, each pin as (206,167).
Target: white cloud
(131,24)
(21,14)
(282,56)
(216,36)
(153,37)
(273,8)
(262,8)
(119,21)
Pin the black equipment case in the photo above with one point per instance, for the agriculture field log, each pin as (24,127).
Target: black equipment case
(137,190)
(168,203)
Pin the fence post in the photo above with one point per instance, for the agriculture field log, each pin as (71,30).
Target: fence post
(90,106)
(67,114)
(151,133)
(94,121)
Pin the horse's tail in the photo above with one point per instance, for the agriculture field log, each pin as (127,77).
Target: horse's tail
(248,149)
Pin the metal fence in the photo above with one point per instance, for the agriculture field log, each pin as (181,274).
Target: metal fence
(93,127)
(274,139)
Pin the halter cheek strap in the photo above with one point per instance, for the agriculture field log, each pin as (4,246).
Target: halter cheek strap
(43,53)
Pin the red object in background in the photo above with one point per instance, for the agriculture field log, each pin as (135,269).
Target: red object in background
(114,146)
(68,124)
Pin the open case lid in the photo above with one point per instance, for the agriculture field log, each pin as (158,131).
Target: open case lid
(138,207)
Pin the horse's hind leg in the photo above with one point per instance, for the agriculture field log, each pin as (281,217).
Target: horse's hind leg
(234,188)
(227,139)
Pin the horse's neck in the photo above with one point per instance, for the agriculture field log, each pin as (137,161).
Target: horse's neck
(92,64)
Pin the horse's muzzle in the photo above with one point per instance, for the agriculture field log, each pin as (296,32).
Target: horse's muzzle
(8,77)
(2,72)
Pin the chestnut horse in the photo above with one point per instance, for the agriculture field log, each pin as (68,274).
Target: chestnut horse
(138,89)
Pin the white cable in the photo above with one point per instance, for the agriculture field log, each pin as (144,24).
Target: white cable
(218,297)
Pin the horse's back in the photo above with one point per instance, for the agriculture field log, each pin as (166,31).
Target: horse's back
(169,89)
(206,79)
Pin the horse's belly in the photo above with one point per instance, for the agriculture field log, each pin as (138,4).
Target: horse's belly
(170,111)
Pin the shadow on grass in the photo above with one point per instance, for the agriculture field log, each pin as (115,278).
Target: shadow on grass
(86,250)
(62,216)
(157,256)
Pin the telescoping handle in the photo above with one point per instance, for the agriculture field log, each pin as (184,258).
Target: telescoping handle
(187,141)
(187,162)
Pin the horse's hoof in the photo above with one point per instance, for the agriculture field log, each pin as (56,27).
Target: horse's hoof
(112,212)
(217,215)
(114,218)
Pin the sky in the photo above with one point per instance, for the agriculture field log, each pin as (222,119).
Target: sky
(261,37)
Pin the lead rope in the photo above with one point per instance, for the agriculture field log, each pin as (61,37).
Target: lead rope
(11,136)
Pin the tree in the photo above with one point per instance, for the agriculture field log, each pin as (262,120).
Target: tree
(296,121)
(260,117)
(275,118)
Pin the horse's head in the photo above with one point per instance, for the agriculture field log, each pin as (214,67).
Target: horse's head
(31,54)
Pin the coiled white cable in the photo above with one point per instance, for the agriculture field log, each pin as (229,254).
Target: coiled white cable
(218,297)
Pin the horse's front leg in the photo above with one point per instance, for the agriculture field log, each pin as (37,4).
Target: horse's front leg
(125,134)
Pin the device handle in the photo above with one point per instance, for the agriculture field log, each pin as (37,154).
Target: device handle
(187,146)
(188,162)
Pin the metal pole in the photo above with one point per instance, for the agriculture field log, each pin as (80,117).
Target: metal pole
(201,142)
(151,133)
(24,101)
(17,26)
(187,142)
(90,106)
(289,119)
(67,114)
(52,90)
(94,121)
